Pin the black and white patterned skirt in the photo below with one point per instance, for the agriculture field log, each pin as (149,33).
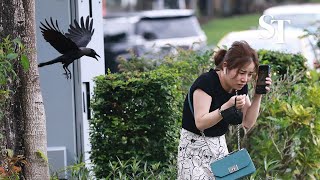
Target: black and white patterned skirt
(194,155)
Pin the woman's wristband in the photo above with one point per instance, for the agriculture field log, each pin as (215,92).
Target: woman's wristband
(219,111)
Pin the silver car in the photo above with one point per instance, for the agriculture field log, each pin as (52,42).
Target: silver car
(156,32)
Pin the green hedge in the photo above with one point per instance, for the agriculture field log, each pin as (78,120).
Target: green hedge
(135,115)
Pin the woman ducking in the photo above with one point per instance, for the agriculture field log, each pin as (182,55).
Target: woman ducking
(212,95)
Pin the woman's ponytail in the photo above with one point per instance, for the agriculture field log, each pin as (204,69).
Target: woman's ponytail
(219,56)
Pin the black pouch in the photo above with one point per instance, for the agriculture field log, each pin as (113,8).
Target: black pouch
(232,115)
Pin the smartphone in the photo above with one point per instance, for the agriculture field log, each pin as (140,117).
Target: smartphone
(263,72)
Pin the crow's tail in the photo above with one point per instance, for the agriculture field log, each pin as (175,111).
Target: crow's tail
(49,62)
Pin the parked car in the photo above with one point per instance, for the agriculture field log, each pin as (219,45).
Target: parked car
(292,43)
(302,16)
(150,32)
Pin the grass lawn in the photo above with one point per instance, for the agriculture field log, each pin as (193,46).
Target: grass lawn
(217,28)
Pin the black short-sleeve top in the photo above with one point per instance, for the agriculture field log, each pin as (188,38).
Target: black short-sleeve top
(209,82)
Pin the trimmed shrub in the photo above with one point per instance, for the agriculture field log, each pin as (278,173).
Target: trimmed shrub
(135,115)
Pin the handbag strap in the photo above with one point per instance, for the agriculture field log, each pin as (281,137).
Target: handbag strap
(202,133)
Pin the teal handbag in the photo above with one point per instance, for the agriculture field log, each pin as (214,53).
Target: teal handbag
(235,165)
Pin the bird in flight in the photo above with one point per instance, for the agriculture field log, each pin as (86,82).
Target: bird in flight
(71,45)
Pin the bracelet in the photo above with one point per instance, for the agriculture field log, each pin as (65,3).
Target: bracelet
(219,111)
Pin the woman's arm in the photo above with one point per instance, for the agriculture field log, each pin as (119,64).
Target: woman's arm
(201,105)
(251,111)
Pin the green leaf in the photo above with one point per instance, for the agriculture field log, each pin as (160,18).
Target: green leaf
(12,56)
(25,62)
(18,41)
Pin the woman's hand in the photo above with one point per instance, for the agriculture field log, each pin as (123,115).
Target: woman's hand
(240,101)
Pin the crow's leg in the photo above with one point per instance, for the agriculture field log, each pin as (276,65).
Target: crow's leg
(66,72)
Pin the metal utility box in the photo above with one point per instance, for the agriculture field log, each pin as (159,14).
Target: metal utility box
(66,101)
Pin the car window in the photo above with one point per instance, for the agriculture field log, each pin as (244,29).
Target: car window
(163,28)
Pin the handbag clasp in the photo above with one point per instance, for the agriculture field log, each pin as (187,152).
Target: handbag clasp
(233,168)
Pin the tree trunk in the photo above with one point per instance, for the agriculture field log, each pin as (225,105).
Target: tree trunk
(32,103)
(18,16)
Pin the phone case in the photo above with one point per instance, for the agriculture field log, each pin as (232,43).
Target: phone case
(263,72)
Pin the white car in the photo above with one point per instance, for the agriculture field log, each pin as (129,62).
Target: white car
(302,16)
(292,43)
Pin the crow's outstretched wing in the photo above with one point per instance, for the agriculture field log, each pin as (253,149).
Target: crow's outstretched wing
(81,35)
(56,38)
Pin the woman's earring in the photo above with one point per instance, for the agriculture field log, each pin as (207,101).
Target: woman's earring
(225,71)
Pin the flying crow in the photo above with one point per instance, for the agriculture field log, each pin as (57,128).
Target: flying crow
(71,45)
